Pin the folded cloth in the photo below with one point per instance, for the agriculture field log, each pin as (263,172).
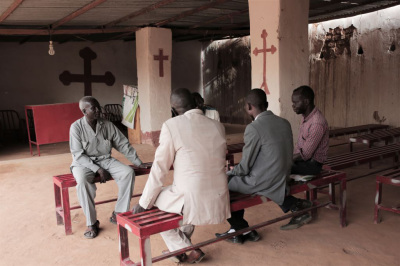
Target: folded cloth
(302,178)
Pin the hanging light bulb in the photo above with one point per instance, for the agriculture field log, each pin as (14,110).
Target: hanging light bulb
(51,48)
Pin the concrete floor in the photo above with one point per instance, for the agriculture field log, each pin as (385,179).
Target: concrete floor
(29,234)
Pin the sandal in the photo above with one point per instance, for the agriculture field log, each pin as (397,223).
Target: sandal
(113,218)
(92,231)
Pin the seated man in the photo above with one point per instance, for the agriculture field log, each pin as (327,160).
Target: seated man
(312,144)
(196,147)
(208,111)
(91,141)
(265,165)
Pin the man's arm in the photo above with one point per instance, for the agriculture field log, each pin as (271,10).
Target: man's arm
(163,159)
(121,144)
(252,145)
(315,135)
(77,150)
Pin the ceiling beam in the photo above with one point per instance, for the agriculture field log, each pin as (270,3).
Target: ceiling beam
(64,31)
(10,9)
(224,17)
(140,12)
(209,32)
(327,16)
(78,12)
(190,12)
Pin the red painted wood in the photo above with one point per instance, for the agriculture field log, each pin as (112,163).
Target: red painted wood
(355,130)
(155,221)
(63,182)
(363,156)
(391,177)
(52,122)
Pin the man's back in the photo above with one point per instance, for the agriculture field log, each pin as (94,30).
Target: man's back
(196,145)
(267,158)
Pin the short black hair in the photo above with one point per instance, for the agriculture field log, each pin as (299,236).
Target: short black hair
(183,97)
(257,98)
(198,99)
(306,92)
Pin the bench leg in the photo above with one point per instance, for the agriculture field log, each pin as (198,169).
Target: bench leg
(124,246)
(57,198)
(145,251)
(343,202)
(378,201)
(313,195)
(332,197)
(66,211)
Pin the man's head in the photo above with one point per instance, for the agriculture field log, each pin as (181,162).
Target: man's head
(90,107)
(256,102)
(182,101)
(303,100)
(198,100)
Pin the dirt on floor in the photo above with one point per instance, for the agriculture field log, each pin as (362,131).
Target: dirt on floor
(30,235)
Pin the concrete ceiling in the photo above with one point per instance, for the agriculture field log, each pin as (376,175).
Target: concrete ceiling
(104,20)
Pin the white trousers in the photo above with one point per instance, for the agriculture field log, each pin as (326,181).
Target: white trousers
(123,175)
(178,238)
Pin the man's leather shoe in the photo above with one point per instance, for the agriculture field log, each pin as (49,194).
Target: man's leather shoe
(195,256)
(297,222)
(235,239)
(178,258)
(253,236)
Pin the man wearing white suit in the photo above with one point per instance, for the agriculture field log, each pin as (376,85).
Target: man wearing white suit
(195,145)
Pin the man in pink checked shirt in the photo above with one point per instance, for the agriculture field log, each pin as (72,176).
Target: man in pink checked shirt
(312,144)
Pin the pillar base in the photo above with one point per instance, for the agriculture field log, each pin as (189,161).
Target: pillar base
(152,138)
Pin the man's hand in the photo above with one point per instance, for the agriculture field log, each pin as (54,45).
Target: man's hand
(145,166)
(104,175)
(138,209)
(229,172)
(297,157)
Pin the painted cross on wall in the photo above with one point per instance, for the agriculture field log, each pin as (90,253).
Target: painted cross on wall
(264,50)
(87,78)
(161,57)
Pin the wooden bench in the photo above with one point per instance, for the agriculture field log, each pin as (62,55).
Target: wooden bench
(380,135)
(391,177)
(61,194)
(154,221)
(369,128)
(345,160)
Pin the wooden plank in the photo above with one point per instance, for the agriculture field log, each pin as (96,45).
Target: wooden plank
(10,9)
(140,12)
(135,135)
(78,12)
(190,12)
(18,31)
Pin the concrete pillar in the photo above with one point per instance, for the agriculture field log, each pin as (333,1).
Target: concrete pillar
(153,56)
(283,26)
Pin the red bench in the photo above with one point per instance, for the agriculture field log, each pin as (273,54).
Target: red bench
(154,221)
(345,160)
(61,194)
(380,135)
(391,177)
(355,130)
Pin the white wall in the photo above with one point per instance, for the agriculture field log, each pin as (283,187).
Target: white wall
(351,87)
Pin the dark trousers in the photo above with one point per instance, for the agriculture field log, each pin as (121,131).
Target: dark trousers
(310,167)
(238,222)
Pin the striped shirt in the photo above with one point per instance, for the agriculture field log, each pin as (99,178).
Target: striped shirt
(313,137)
